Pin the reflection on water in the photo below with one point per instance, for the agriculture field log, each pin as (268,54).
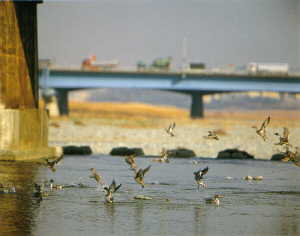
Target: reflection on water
(268,207)
(17,209)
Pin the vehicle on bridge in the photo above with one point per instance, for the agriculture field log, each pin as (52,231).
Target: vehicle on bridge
(90,63)
(267,68)
(158,64)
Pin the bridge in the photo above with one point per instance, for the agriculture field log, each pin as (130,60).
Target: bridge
(195,84)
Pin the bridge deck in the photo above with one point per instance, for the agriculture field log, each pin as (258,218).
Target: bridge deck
(205,81)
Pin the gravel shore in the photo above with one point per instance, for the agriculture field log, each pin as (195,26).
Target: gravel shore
(103,138)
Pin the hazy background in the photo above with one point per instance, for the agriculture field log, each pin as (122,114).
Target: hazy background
(218,32)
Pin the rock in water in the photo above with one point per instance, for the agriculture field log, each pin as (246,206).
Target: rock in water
(125,151)
(142,197)
(234,154)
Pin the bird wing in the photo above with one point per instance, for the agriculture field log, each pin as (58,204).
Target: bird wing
(117,187)
(204,171)
(265,123)
(139,173)
(173,125)
(129,160)
(146,170)
(285,132)
(59,159)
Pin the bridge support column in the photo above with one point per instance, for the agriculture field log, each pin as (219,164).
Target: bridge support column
(63,101)
(23,126)
(197,108)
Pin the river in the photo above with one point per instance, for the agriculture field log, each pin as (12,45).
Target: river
(267,207)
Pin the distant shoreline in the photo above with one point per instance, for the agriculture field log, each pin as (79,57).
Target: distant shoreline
(104,126)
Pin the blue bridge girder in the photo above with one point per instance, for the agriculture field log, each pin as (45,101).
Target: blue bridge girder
(177,81)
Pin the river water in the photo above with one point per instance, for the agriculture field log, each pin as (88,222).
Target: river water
(267,207)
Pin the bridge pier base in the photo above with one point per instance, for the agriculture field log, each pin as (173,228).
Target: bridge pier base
(62,96)
(23,126)
(197,108)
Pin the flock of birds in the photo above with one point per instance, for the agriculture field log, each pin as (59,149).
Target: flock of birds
(139,173)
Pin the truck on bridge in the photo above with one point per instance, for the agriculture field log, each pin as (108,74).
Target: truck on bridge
(267,68)
(90,63)
(158,64)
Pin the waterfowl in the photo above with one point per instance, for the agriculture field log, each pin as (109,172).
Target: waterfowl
(212,135)
(51,164)
(284,139)
(55,186)
(215,200)
(292,156)
(39,191)
(109,190)
(199,177)
(7,189)
(139,176)
(258,178)
(170,129)
(130,160)
(248,177)
(163,157)
(262,130)
(96,176)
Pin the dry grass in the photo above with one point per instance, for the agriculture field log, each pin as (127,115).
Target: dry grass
(138,115)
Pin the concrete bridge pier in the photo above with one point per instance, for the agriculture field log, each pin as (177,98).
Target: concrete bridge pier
(62,96)
(23,126)
(197,106)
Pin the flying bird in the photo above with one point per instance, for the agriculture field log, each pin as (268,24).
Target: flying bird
(96,176)
(163,157)
(262,130)
(212,135)
(284,139)
(130,160)
(292,156)
(139,176)
(52,164)
(199,177)
(170,129)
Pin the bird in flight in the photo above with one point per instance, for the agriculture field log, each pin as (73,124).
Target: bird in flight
(212,135)
(199,177)
(262,130)
(96,176)
(130,160)
(284,139)
(292,156)
(52,164)
(170,129)
(139,176)
(163,157)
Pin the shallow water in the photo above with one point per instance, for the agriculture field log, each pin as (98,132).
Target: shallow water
(268,207)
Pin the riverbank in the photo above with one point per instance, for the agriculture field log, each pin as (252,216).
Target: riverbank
(104,126)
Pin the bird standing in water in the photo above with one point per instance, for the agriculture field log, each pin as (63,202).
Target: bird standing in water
(215,200)
(199,177)
(170,129)
(112,188)
(39,191)
(139,176)
(262,130)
